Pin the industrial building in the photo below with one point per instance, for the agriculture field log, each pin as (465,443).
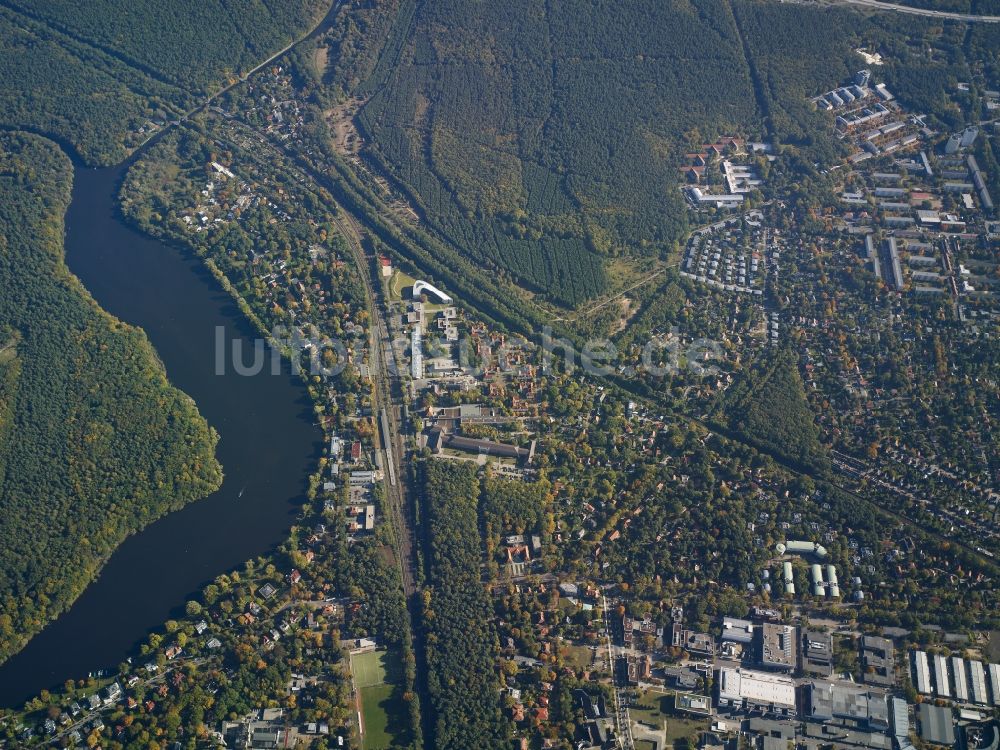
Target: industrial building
(877,661)
(778,647)
(827,700)
(942,685)
(817,653)
(937,725)
(899,718)
(738,631)
(757,691)
(922,673)
(977,681)
(958,674)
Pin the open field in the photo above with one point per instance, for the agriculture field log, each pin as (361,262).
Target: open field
(377,676)
(678,727)
(651,708)
(384,715)
(397,283)
(373,668)
(579,657)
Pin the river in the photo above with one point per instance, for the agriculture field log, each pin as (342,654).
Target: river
(267,447)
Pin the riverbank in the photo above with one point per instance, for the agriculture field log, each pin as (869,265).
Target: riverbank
(267,445)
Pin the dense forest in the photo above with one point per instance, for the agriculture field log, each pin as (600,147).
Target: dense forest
(541,145)
(105,76)
(54,84)
(984,46)
(190,43)
(767,406)
(354,46)
(94,443)
(507,507)
(462,648)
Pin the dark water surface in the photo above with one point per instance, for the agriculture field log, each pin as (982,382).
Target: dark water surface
(267,446)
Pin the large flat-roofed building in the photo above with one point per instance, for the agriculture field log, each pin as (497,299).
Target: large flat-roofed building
(740,631)
(760,691)
(416,354)
(694,703)
(892,271)
(817,653)
(899,716)
(977,681)
(829,700)
(936,725)
(778,648)
(993,670)
(877,661)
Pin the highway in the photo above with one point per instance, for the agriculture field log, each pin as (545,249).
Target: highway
(942,14)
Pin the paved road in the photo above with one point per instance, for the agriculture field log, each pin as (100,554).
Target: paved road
(970,17)
(327,18)
(622,722)
(88,715)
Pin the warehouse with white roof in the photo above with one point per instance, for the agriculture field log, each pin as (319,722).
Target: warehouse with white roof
(994,674)
(922,672)
(942,685)
(958,674)
(977,682)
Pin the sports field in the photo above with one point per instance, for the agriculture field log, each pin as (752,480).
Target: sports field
(371,668)
(377,676)
(380,708)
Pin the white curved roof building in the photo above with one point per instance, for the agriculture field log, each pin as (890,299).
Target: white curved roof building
(419,287)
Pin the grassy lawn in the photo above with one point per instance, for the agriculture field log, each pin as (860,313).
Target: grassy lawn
(678,727)
(397,283)
(651,708)
(377,675)
(644,745)
(381,710)
(375,668)
(579,657)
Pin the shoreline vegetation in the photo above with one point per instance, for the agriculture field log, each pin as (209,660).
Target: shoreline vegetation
(149,80)
(121,448)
